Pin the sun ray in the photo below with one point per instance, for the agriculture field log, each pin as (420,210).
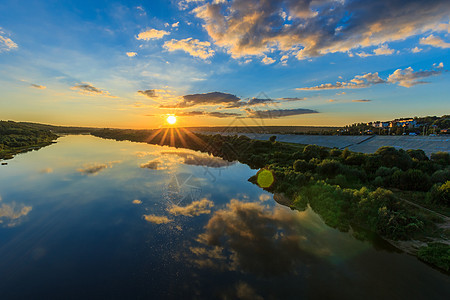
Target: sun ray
(164,137)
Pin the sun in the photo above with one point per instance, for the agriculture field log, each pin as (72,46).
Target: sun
(171,120)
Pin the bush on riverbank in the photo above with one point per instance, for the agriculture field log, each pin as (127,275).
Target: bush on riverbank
(437,254)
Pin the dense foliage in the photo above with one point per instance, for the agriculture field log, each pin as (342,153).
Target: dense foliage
(16,137)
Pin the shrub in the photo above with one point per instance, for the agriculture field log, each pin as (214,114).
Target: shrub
(345,153)
(391,157)
(311,151)
(417,154)
(441,157)
(411,180)
(272,138)
(437,254)
(397,224)
(301,165)
(441,176)
(329,168)
(440,194)
(335,152)
(355,159)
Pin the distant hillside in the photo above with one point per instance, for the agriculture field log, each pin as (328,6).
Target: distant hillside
(60,129)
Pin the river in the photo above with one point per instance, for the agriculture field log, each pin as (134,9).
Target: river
(93,218)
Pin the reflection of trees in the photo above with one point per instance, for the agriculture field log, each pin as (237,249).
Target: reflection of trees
(248,237)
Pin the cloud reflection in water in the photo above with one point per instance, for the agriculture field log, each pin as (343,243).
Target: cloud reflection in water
(251,238)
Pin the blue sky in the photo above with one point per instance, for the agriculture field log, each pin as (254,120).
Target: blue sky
(286,62)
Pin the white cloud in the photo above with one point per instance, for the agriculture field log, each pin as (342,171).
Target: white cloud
(435,42)
(174,25)
(405,78)
(192,46)
(268,60)
(131,54)
(409,78)
(359,81)
(6,44)
(416,50)
(152,34)
(184,4)
(382,50)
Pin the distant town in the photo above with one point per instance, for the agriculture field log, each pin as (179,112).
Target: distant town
(430,126)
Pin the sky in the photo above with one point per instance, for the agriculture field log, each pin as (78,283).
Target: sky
(130,64)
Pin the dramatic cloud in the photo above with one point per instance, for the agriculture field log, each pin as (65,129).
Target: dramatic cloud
(6,44)
(157,219)
(214,98)
(192,46)
(95,168)
(37,86)
(90,90)
(148,93)
(131,54)
(359,81)
(152,34)
(310,28)
(435,42)
(409,78)
(278,113)
(11,214)
(361,100)
(196,208)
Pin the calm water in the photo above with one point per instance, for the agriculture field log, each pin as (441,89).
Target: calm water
(93,218)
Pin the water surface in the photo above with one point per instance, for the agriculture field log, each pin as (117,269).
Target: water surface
(93,218)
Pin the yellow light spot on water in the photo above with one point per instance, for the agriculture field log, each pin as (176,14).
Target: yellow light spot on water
(171,120)
(265,178)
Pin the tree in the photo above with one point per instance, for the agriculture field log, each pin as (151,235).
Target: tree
(417,154)
(301,165)
(391,157)
(273,138)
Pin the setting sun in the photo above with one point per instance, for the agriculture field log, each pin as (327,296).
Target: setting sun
(171,120)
